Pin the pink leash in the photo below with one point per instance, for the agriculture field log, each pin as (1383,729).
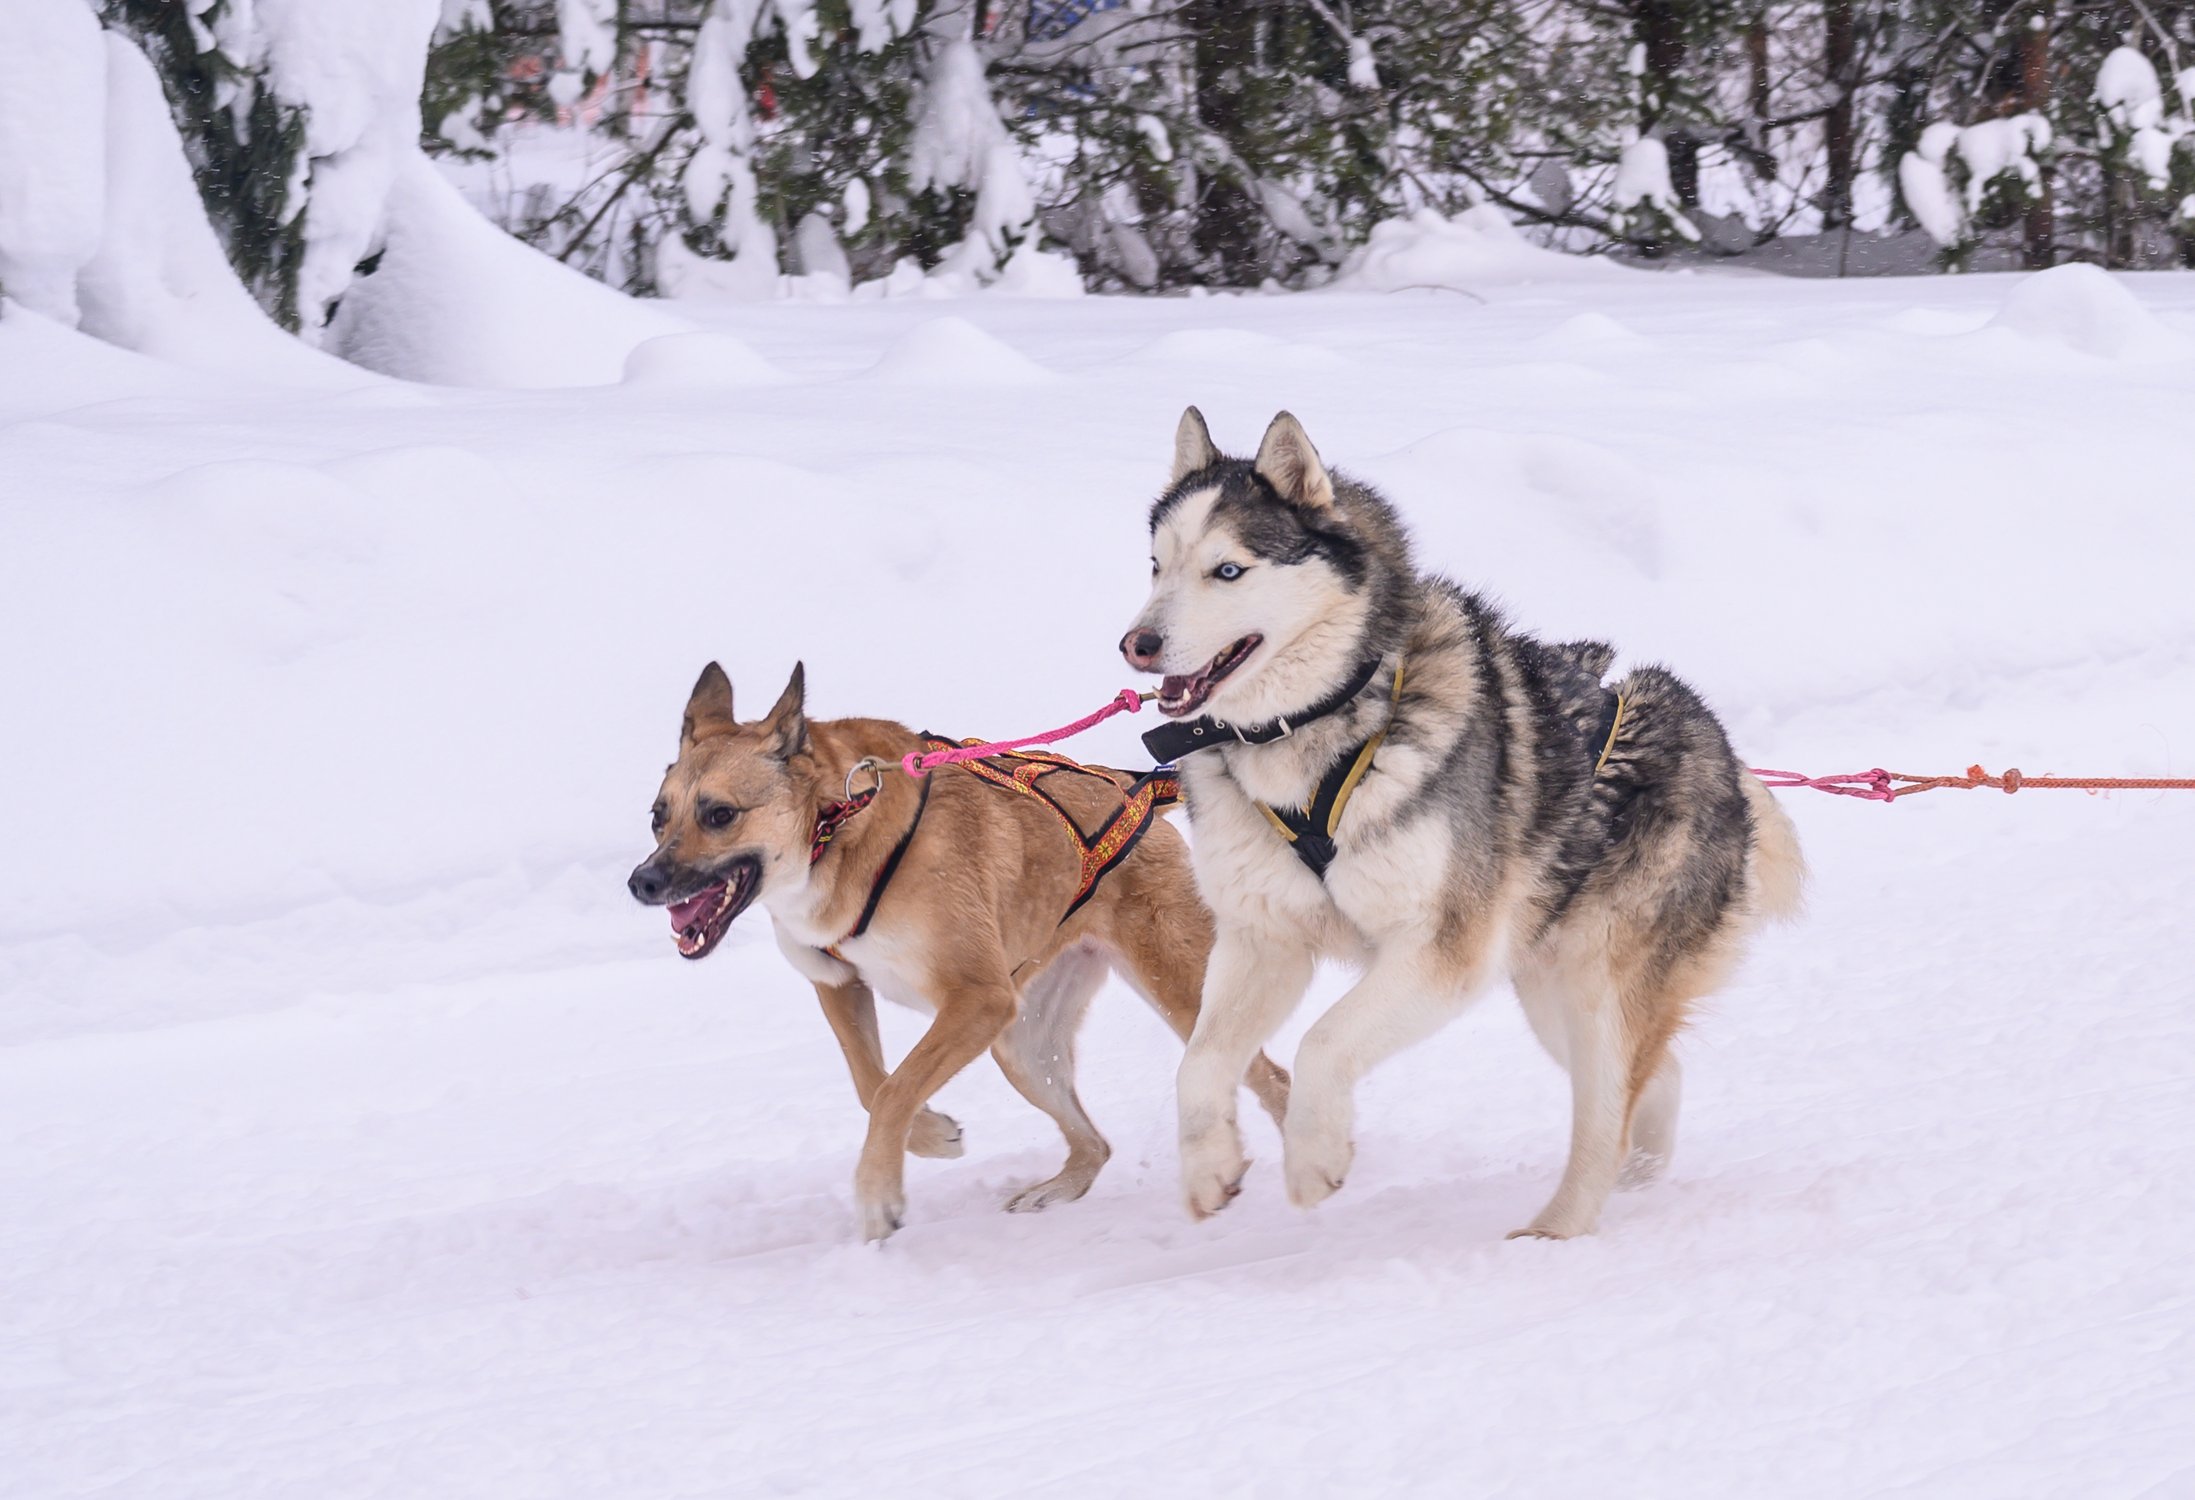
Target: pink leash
(918,765)
(1869,786)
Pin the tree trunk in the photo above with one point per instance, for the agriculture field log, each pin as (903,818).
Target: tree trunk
(1756,58)
(1837,58)
(1225,230)
(1661,29)
(2039,240)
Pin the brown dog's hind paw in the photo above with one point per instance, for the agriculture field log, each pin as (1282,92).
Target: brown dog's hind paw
(1065,1188)
(935,1135)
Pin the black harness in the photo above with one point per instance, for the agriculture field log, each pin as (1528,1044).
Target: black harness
(885,872)
(1310,830)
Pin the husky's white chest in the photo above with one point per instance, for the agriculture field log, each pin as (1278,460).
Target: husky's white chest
(1380,884)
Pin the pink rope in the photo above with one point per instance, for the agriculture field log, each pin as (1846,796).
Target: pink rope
(918,765)
(1871,786)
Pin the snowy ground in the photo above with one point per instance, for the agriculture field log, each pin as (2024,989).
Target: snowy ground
(360,1138)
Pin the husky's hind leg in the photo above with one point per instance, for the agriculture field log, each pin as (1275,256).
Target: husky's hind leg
(1654,1124)
(1585,1014)
(1611,1031)
(1037,1055)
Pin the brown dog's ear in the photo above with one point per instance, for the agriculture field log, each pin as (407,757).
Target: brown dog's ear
(709,710)
(1193,448)
(1291,465)
(787,724)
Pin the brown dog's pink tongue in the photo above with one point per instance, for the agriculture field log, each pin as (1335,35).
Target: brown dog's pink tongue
(685,913)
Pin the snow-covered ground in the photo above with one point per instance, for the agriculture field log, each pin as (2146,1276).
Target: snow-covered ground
(359,1137)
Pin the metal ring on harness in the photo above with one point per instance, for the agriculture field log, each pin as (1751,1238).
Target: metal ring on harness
(867,763)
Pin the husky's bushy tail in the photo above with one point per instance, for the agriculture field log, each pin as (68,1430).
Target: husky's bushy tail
(1778,868)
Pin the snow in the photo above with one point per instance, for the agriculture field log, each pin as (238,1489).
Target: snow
(52,176)
(2132,97)
(361,1138)
(1475,248)
(585,35)
(1988,151)
(1995,148)
(958,141)
(1642,182)
(2128,88)
(2087,309)
(457,301)
(1925,181)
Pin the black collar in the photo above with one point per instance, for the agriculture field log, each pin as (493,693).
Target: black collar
(1170,742)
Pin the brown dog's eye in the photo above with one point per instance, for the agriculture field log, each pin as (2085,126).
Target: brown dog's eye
(658,816)
(719,817)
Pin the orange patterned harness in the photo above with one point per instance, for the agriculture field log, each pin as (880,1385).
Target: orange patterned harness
(1142,797)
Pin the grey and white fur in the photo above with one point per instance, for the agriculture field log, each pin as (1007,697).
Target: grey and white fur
(1482,842)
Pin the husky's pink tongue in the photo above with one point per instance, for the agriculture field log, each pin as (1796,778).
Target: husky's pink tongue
(685,913)
(1175,688)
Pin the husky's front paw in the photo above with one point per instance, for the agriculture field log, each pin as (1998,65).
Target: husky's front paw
(1211,1172)
(934,1134)
(1317,1164)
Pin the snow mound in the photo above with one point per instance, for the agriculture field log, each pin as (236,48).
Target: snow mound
(456,301)
(954,349)
(1477,247)
(1593,332)
(2084,308)
(698,359)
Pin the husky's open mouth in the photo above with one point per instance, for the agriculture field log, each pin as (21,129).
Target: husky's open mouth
(1179,695)
(699,922)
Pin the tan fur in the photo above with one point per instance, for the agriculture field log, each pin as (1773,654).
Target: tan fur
(969,926)
(1779,870)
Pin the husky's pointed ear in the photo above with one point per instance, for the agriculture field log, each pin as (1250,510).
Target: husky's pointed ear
(787,724)
(1291,465)
(1193,448)
(709,710)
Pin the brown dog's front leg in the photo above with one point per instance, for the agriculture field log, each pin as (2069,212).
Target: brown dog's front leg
(969,1020)
(851,1010)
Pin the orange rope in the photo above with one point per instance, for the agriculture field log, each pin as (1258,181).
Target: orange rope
(2013,781)
(1879,785)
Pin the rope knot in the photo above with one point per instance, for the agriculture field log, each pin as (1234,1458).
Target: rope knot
(2012,780)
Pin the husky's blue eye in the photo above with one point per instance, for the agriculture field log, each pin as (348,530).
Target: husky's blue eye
(1228,572)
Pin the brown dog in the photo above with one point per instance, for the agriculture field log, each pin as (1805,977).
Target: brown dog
(966,894)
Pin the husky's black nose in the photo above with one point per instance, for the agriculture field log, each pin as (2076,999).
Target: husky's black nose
(648,884)
(1142,647)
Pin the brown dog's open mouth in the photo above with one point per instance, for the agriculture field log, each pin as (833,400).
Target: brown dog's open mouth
(699,922)
(1178,695)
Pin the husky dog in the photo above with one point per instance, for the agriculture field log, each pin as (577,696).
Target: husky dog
(1386,771)
(945,894)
